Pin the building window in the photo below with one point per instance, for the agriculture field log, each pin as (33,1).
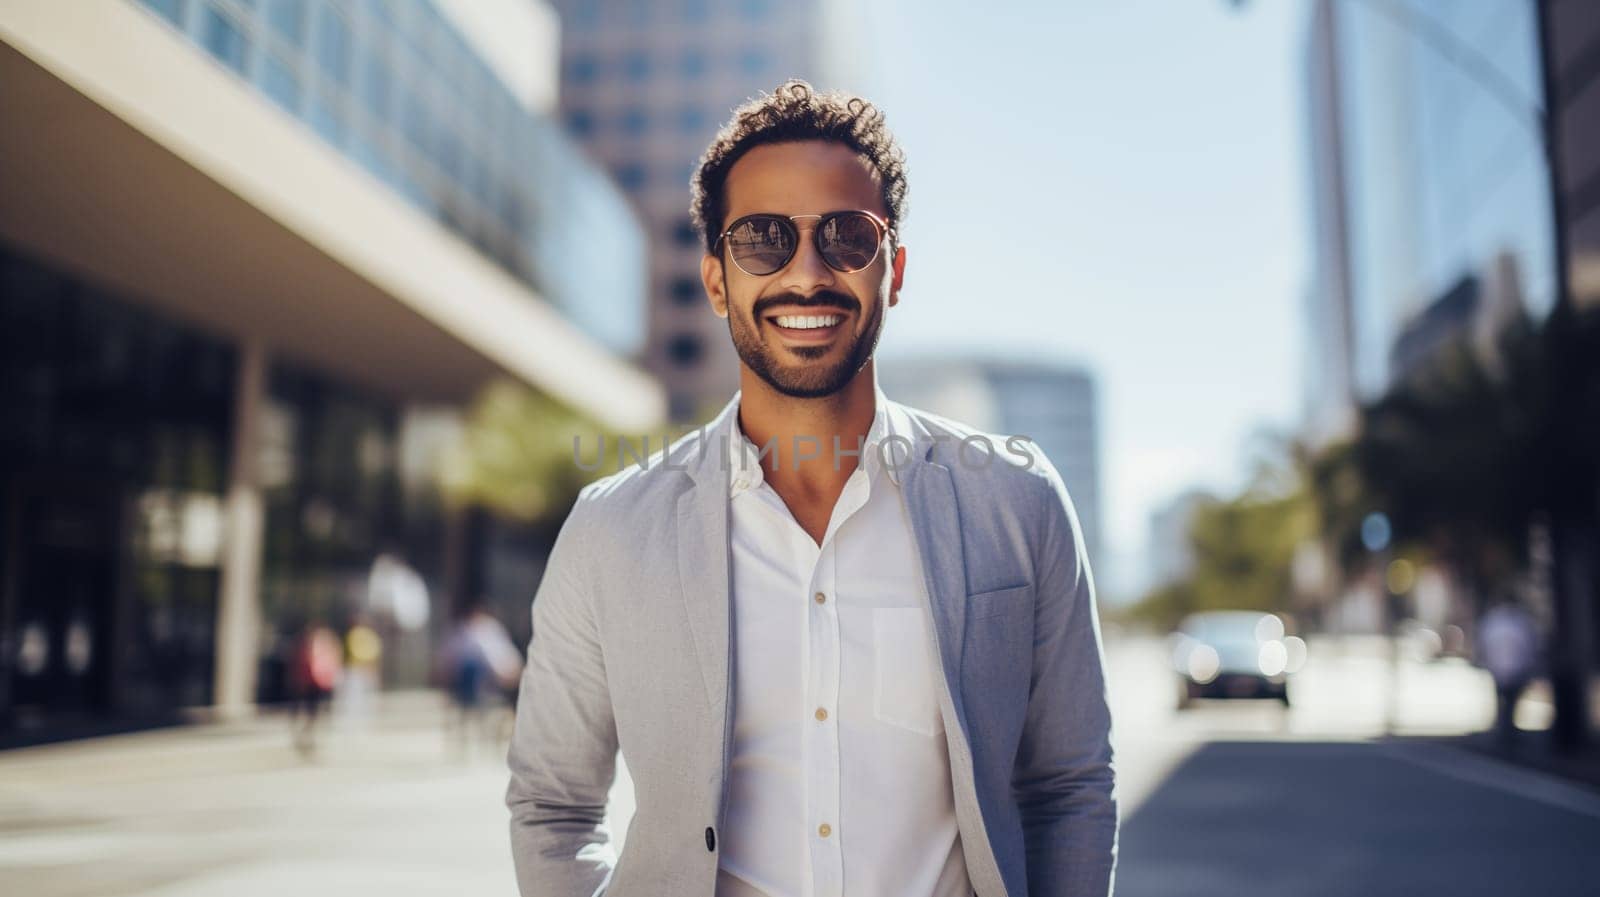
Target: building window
(448,154)
(637,13)
(512,214)
(288,19)
(580,122)
(326,119)
(378,9)
(418,124)
(371,155)
(752,62)
(586,15)
(636,66)
(683,233)
(684,290)
(632,176)
(171,10)
(223,39)
(477,179)
(333,46)
(696,12)
(634,121)
(279,83)
(583,69)
(756,10)
(374,85)
(692,64)
(684,349)
(692,119)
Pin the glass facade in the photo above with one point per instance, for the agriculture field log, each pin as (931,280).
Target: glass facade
(1446,181)
(334,503)
(114,462)
(581,250)
(396,88)
(112,468)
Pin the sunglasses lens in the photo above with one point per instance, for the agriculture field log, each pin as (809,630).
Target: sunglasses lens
(761,244)
(849,242)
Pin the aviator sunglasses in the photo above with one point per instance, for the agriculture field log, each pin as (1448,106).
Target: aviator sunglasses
(763,243)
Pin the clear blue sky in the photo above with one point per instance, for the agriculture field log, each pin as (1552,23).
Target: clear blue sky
(1119,183)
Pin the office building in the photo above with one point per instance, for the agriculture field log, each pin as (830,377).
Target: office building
(1573,42)
(255,257)
(1329,384)
(1431,196)
(1455,181)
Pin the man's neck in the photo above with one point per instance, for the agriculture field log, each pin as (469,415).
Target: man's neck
(807,427)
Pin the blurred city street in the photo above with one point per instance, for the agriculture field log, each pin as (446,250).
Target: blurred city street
(321,322)
(1250,798)
(1218,799)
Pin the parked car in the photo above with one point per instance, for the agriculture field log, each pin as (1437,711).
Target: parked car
(1234,654)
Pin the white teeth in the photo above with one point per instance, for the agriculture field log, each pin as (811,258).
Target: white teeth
(807,322)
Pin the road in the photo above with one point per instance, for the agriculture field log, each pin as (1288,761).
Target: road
(1247,798)
(1229,799)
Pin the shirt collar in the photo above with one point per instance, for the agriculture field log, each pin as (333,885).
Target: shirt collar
(747,470)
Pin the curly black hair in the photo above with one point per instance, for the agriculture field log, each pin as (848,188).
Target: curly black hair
(796,111)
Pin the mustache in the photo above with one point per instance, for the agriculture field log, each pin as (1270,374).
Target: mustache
(824,299)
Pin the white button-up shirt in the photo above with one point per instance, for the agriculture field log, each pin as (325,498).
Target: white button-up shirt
(839,784)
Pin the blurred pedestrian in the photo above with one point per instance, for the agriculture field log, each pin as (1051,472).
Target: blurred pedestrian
(358,689)
(314,669)
(480,666)
(1508,647)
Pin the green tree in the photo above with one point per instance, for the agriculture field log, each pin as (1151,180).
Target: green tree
(1242,549)
(1453,455)
(516,455)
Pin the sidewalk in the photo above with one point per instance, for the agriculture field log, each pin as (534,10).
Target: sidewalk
(1533,748)
(1536,751)
(386,806)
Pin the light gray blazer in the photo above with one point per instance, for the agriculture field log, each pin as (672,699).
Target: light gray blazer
(631,649)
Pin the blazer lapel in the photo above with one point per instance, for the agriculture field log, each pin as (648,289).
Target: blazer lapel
(930,498)
(704,559)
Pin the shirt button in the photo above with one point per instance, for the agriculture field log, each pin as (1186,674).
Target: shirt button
(821,714)
(824,830)
(820,598)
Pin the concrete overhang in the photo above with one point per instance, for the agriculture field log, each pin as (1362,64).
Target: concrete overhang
(131,158)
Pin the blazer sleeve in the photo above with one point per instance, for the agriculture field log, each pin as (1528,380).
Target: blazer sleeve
(1064,776)
(564,744)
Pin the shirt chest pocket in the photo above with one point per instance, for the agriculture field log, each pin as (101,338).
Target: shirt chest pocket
(905,687)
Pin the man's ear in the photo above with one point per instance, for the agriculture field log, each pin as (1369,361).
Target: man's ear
(899,275)
(711,277)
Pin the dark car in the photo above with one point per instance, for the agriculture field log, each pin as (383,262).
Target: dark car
(1234,654)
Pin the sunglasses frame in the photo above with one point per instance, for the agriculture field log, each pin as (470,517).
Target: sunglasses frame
(884,234)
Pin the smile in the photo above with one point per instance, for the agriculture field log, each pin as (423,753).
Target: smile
(807,322)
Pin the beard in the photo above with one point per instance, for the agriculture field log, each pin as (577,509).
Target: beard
(805,381)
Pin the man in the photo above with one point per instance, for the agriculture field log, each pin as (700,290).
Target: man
(845,647)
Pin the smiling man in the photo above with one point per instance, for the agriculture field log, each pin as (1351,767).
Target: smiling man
(844,646)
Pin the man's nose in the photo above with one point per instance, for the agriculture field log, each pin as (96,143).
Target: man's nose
(806,273)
